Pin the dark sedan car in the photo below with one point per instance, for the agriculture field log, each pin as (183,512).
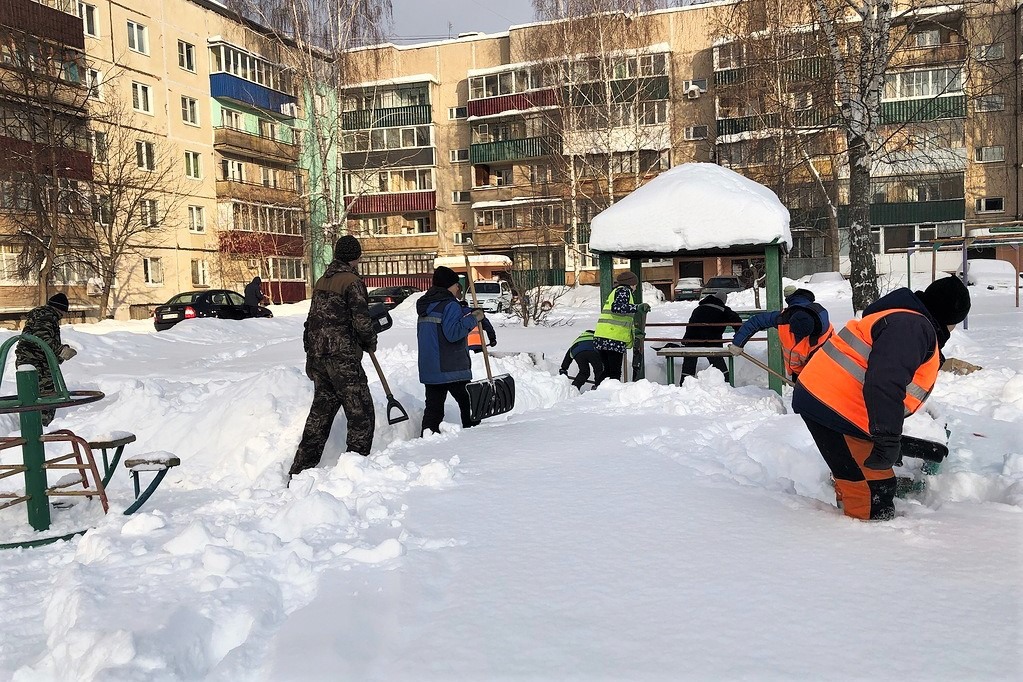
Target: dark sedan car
(391,296)
(218,303)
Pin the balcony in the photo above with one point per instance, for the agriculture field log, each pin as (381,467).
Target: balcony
(392,117)
(399,243)
(258,193)
(930,55)
(252,144)
(745,124)
(390,158)
(261,244)
(69,163)
(231,87)
(392,203)
(917,110)
(911,212)
(43,22)
(645,89)
(523,101)
(515,150)
(506,238)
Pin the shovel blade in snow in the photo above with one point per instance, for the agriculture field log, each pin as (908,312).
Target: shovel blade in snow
(489,397)
(923,449)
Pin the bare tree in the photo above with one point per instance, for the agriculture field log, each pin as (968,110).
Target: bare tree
(136,188)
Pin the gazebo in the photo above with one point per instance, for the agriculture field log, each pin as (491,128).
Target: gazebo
(697,210)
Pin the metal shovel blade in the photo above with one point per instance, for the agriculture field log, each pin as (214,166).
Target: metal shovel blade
(923,449)
(489,397)
(393,406)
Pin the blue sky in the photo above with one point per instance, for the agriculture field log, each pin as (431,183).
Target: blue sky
(428,19)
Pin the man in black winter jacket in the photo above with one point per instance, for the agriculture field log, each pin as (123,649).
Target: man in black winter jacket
(44,324)
(712,312)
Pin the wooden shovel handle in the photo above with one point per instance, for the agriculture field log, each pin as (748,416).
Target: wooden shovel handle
(380,373)
(479,323)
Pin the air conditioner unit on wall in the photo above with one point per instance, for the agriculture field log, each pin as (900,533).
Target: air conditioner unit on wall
(693,92)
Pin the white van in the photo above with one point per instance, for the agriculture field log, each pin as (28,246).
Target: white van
(493,296)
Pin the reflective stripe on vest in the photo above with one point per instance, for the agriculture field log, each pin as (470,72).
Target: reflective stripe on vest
(797,354)
(835,376)
(613,325)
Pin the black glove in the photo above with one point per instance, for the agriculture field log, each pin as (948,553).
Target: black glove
(885,454)
(563,372)
(493,342)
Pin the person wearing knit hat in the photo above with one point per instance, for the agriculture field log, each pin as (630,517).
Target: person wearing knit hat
(338,331)
(856,392)
(442,333)
(43,322)
(614,332)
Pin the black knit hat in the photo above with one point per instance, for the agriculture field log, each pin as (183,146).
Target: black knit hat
(347,249)
(947,299)
(444,277)
(58,301)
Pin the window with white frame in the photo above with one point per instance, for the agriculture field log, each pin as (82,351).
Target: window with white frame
(141,98)
(286,269)
(149,213)
(90,22)
(700,83)
(196,219)
(371,226)
(695,133)
(232,119)
(193,165)
(152,270)
(69,270)
(458,155)
(250,217)
(540,174)
(145,155)
(9,264)
(240,63)
(102,209)
(460,197)
(928,38)
(98,146)
(271,178)
(990,205)
(200,273)
(190,110)
(94,81)
(923,83)
(989,154)
(138,37)
(232,170)
(457,112)
(989,52)
(186,56)
(379,139)
(989,103)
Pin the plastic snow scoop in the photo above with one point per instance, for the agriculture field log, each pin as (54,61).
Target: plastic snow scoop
(395,412)
(494,395)
(761,365)
(381,317)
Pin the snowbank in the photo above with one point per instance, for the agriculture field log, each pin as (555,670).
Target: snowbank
(990,274)
(692,206)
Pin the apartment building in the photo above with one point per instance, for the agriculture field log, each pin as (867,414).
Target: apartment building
(203,102)
(466,144)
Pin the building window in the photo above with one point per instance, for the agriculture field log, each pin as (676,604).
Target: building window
(232,119)
(460,197)
(923,83)
(98,146)
(102,209)
(457,112)
(989,154)
(193,165)
(695,133)
(186,56)
(200,273)
(94,80)
(991,205)
(138,38)
(700,83)
(504,177)
(807,246)
(233,170)
(149,213)
(90,24)
(9,264)
(190,110)
(286,269)
(540,174)
(458,155)
(145,155)
(989,103)
(928,38)
(250,217)
(141,100)
(986,53)
(152,270)
(196,219)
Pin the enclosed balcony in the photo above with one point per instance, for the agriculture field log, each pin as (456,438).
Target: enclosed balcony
(391,117)
(911,212)
(521,101)
(231,87)
(392,203)
(515,150)
(250,144)
(43,22)
(936,55)
(745,124)
(916,110)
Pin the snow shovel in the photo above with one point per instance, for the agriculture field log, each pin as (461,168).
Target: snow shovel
(763,366)
(638,369)
(927,450)
(495,395)
(395,412)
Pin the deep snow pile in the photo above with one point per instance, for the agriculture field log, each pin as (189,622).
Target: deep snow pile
(636,532)
(692,206)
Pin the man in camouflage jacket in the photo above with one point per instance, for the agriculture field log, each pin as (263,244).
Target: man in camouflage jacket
(44,323)
(337,332)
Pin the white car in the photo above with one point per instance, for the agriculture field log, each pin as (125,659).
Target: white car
(493,297)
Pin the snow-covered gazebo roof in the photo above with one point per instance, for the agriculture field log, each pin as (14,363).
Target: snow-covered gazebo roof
(692,208)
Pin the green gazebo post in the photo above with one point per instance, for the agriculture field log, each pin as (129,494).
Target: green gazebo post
(772,261)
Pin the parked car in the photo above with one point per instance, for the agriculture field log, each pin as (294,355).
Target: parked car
(493,296)
(721,287)
(988,273)
(391,296)
(688,289)
(219,303)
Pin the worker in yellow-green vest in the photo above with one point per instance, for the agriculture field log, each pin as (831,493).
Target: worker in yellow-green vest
(614,332)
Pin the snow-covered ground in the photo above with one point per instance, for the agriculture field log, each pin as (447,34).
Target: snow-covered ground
(636,532)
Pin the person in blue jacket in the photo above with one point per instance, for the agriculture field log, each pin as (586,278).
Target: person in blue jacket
(585,355)
(444,364)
